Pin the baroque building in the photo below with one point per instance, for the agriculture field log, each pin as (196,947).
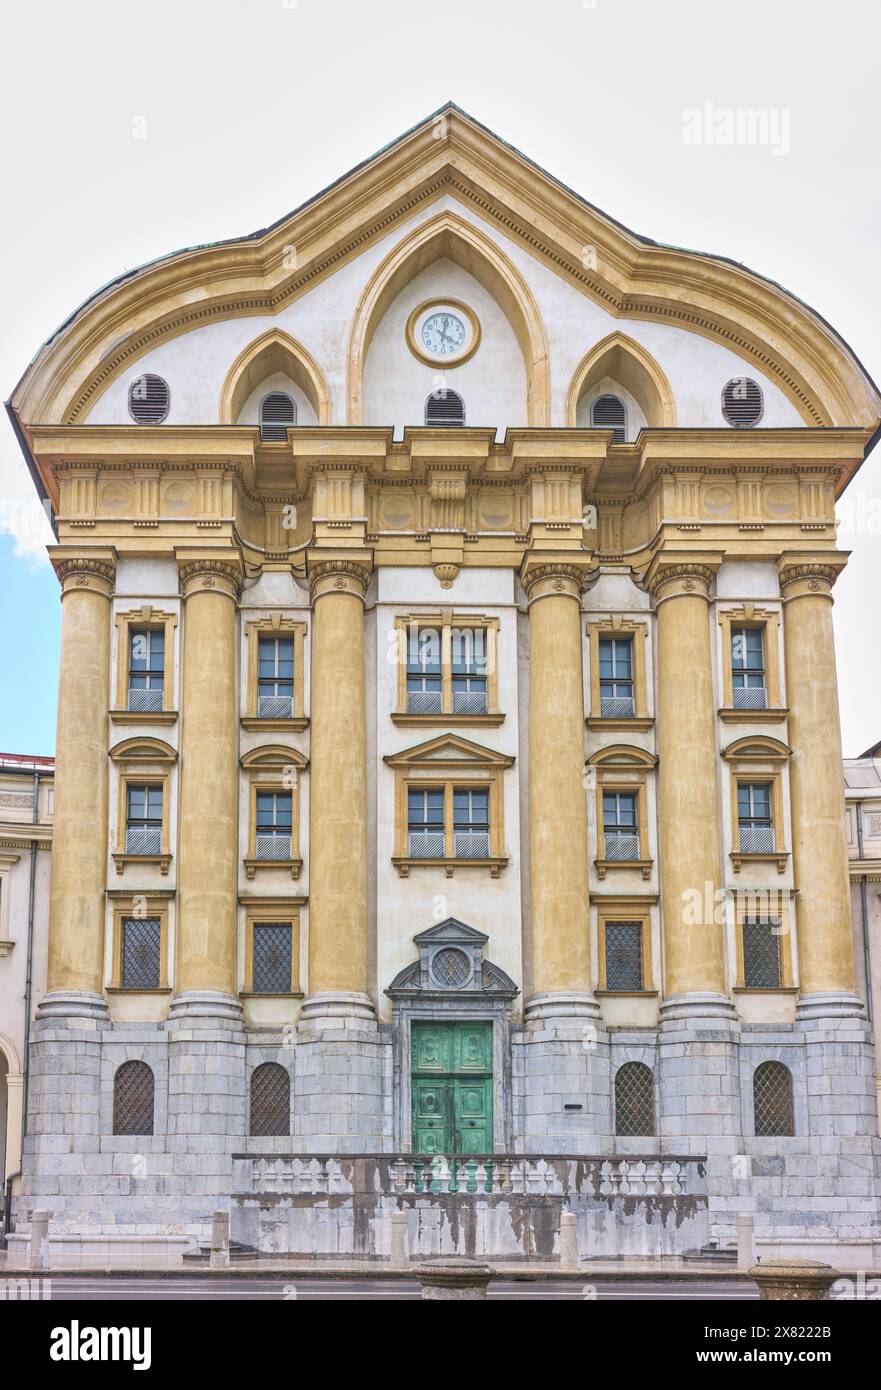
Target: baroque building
(449,807)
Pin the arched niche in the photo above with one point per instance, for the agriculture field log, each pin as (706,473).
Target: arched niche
(449,237)
(619,361)
(273,362)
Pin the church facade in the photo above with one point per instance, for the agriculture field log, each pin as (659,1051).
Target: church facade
(448,811)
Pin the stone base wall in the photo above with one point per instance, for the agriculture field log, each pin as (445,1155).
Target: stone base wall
(820,1186)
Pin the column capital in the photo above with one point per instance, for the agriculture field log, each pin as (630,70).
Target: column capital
(810,574)
(221,572)
(675,575)
(339,575)
(544,576)
(94,570)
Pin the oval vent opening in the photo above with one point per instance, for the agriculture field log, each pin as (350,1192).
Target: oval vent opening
(608,413)
(149,399)
(278,410)
(742,402)
(445,408)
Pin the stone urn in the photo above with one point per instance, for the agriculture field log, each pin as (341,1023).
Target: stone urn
(454,1278)
(802,1280)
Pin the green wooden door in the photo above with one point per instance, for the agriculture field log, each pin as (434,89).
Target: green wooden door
(452,1088)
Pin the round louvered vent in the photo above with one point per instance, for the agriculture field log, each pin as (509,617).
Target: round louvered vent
(608,414)
(445,408)
(277,412)
(742,402)
(149,399)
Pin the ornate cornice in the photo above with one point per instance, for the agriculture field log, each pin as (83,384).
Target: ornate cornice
(692,578)
(210,571)
(345,575)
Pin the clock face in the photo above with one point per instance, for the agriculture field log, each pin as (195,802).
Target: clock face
(443,333)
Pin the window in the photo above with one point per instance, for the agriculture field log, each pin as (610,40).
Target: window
(274,825)
(742,402)
(133,1094)
(616,678)
(143,826)
(772,1100)
(146,668)
(141,953)
(276,662)
(425,824)
(272,958)
(448,670)
(620,828)
(608,413)
(634,1100)
(449,805)
(149,399)
(754,819)
(275,679)
(471,822)
(762,966)
(446,408)
(623,945)
(748,668)
(278,410)
(270,1101)
(424,691)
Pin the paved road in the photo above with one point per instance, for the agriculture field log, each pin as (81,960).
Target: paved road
(266,1290)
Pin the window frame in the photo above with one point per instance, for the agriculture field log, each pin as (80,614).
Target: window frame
(267,770)
(275,913)
(142,762)
(124,908)
(275,626)
(757,759)
(445,623)
(768,621)
(617,629)
(147,619)
(748,911)
(640,915)
(623,769)
(449,763)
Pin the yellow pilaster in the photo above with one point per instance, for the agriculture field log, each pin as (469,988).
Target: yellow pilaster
(557,807)
(688,800)
(819,848)
(79,849)
(207,871)
(338,786)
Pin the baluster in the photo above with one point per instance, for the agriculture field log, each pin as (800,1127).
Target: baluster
(471,1171)
(443,1174)
(454,1175)
(397,1172)
(489,1176)
(607,1184)
(418,1169)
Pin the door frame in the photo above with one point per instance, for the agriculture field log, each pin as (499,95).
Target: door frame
(446,1010)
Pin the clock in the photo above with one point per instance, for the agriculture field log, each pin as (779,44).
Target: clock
(443,332)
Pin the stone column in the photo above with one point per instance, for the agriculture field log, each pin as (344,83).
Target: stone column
(698,1075)
(557,804)
(688,797)
(79,848)
(207,859)
(563,1060)
(819,848)
(842,1099)
(338,793)
(339,1077)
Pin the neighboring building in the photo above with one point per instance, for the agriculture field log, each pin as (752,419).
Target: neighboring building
(448,745)
(26,793)
(862,792)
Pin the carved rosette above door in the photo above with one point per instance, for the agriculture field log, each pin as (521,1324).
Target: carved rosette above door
(451,963)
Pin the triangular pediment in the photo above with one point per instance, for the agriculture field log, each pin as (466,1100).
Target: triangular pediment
(449,750)
(451,930)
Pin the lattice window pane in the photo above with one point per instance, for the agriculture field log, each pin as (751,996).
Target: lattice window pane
(424,702)
(270,1100)
(143,841)
(451,967)
(275,707)
(772,1100)
(621,848)
(750,697)
(624,956)
(634,1100)
(145,701)
(272,949)
(273,846)
(133,1089)
(761,956)
(617,706)
(141,952)
(426,844)
(757,839)
(472,844)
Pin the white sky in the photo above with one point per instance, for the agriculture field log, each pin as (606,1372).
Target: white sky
(251,106)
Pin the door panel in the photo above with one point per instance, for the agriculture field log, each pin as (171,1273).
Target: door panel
(452,1088)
